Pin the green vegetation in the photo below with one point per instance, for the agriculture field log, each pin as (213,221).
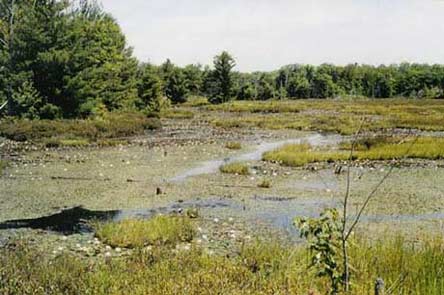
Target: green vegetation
(301,154)
(176,113)
(60,132)
(232,145)
(235,168)
(378,148)
(266,183)
(3,165)
(159,230)
(395,148)
(220,81)
(258,268)
(338,116)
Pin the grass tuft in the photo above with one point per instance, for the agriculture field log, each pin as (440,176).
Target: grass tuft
(266,183)
(235,168)
(232,145)
(159,230)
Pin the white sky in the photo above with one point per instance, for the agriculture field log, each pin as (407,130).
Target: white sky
(267,34)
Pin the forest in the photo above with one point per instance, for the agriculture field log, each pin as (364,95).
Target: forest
(70,59)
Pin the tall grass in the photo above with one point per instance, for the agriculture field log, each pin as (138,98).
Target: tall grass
(379,148)
(257,268)
(235,168)
(160,230)
(301,154)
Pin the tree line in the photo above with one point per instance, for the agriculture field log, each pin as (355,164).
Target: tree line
(69,58)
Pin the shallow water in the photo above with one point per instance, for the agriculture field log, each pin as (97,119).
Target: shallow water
(212,166)
(275,211)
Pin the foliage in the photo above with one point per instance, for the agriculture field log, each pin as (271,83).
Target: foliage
(149,89)
(324,242)
(222,78)
(176,86)
(159,230)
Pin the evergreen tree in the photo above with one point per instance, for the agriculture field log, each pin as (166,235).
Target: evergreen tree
(222,78)
(176,87)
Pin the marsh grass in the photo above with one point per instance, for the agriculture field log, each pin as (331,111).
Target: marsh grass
(265,183)
(301,154)
(340,116)
(375,148)
(257,268)
(159,230)
(238,168)
(112,125)
(233,145)
(177,113)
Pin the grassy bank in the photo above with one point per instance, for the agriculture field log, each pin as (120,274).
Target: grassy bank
(379,148)
(77,132)
(257,268)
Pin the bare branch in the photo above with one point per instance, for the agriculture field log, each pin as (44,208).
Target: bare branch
(344,213)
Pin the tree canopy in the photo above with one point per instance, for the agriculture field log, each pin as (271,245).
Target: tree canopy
(69,59)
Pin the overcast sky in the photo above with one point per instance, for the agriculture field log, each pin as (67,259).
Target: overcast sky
(266,34)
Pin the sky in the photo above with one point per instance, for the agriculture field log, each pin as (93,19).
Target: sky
(264,35)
